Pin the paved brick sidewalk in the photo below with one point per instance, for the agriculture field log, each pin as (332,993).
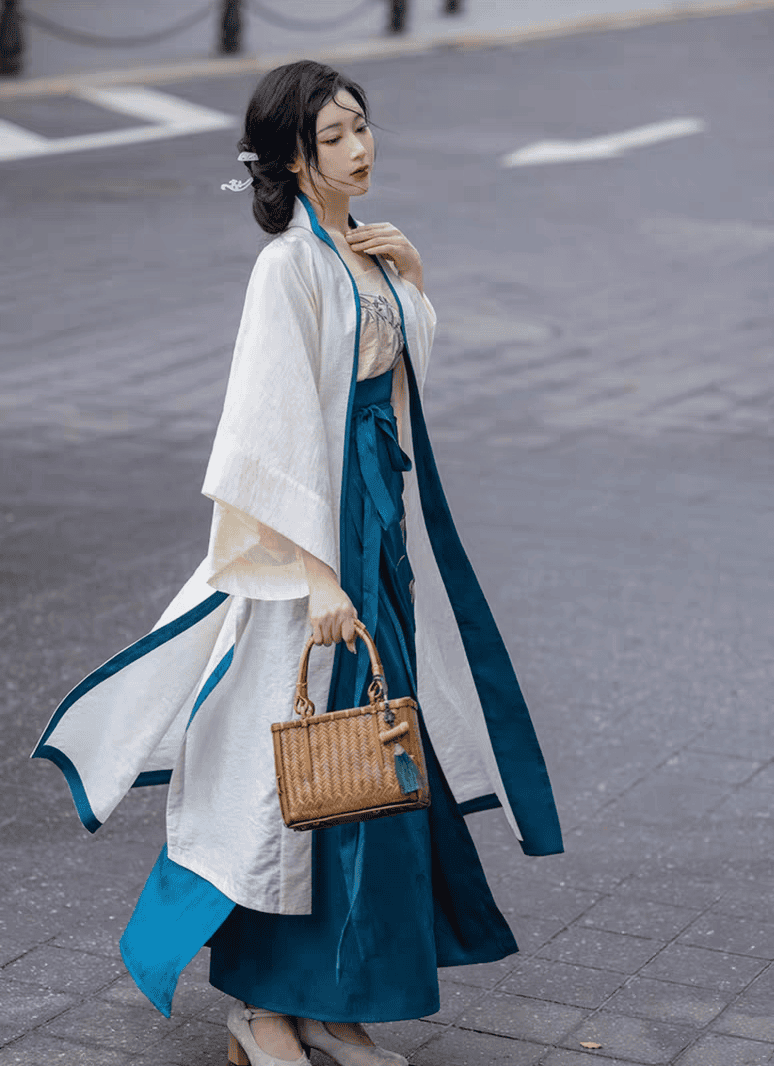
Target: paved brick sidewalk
(601,402)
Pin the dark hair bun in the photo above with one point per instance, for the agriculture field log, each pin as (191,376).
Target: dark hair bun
(274,192)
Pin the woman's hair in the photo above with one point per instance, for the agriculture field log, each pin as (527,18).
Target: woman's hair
(281,119)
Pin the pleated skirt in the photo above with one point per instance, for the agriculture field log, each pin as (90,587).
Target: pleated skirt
(393,898)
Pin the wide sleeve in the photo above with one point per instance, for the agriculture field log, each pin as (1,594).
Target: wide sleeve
(268,473)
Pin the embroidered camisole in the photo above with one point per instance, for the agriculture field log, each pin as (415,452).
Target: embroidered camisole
(381,340)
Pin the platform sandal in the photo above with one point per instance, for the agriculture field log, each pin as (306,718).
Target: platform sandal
(314,1034)
(242,1048)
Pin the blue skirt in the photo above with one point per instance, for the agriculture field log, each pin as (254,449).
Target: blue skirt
(394,898)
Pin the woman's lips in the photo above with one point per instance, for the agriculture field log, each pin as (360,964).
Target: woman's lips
(361,173)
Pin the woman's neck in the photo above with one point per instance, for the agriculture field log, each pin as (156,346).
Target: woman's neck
(332,210)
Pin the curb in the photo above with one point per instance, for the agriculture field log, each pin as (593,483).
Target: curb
(379,48)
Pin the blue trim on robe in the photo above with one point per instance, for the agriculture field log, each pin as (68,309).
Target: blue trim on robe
(124,658)
(326,238)
(490,802)
(153,777)
(215,677)
(511,733)
(73,779)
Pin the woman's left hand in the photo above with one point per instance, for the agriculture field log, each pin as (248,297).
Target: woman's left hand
(382,238)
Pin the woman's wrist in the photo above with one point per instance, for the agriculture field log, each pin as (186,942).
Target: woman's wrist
(331,612)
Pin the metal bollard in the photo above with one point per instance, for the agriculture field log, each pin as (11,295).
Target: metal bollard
(397,23)
(231,27)
(11,40)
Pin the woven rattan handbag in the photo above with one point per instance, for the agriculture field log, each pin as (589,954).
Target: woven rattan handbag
(348,766)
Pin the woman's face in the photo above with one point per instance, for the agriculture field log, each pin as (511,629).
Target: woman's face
(345,150)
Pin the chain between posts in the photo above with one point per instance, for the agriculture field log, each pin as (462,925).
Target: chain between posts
(12,20)
(269,14)
(95,40)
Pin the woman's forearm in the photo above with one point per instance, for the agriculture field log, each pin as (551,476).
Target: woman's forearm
(317,572)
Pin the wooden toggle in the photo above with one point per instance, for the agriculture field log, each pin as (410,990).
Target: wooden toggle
(394,733)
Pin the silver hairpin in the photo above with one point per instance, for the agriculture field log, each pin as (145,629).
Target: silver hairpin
(237,186)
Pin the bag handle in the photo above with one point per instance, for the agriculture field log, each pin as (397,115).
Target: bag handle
(377,690)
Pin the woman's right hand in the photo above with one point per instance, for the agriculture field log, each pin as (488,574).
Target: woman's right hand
(331,612)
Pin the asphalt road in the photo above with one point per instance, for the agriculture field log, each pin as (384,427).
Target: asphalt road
(601,402)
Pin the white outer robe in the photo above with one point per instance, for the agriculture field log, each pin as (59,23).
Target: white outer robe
(275,476)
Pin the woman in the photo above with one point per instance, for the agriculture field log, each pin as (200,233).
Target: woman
(327,507)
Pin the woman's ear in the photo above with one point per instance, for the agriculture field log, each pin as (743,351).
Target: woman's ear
(295,166)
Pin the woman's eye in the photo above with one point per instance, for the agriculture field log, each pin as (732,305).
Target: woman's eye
(335,140)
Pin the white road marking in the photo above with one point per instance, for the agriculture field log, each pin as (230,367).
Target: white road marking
(16,143)
(606,147)
(152,105)
(169,116)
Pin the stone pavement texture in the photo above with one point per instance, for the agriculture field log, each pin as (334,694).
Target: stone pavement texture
(601,403)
